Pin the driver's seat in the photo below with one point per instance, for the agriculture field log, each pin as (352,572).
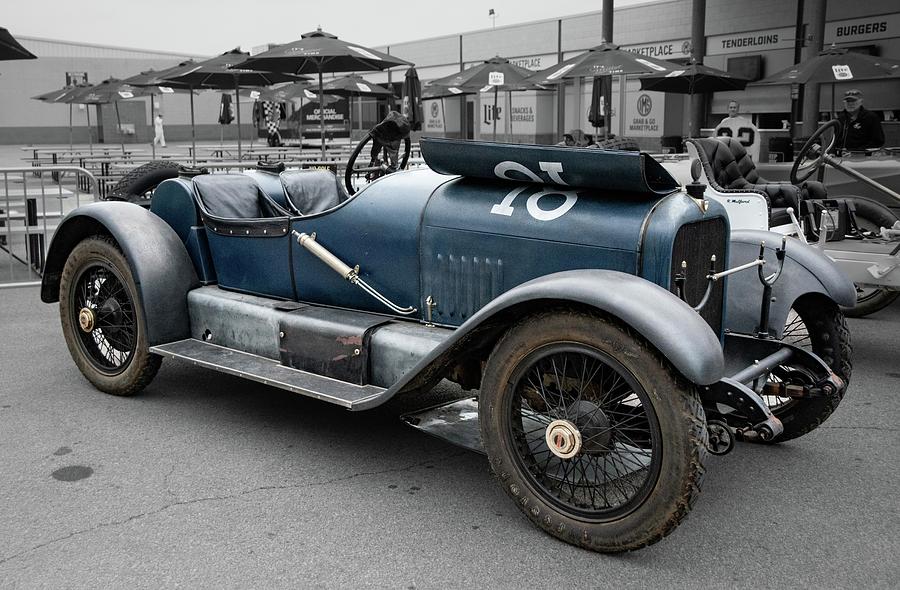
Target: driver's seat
(728,167)
(312,191)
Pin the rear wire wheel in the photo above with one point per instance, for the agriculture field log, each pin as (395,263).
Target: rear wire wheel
(102,319)
(591,432)
(814,323)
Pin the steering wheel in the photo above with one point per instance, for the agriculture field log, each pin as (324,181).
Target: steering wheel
(383,159)
(803,168)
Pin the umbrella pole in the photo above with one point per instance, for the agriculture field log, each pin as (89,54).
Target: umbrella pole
(193,135)
(509,116)
(70,126)
(237,101)
(494,115)
(152,122)
(119,127)
(322,112)
(87,109)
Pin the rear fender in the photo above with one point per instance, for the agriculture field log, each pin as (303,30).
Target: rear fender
(162,269)
(806,270)
(665,321)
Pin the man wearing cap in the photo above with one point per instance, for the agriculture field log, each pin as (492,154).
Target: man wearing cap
(860,128)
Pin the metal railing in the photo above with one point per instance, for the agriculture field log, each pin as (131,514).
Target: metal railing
(31,207)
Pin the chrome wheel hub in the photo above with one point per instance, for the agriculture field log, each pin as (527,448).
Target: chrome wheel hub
(86,319)
(563,438)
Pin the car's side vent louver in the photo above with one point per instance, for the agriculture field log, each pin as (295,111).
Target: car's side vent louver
(694,244)
(461,285)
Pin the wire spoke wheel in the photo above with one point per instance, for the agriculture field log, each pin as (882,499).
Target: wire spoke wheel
(590,431)
(100,293)
(566,392)
(817,325)
(102,319)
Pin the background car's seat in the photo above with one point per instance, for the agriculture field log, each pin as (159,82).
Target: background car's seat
(728,167)
(234,196)
(313,191)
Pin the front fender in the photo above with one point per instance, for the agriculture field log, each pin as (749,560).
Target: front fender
(668,323)
(806,270)
(161,267)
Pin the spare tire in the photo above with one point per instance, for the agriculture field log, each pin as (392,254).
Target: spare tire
(618,143)
(138,183)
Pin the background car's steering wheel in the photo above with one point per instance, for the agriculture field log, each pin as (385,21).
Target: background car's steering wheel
(383,160)
(803,168)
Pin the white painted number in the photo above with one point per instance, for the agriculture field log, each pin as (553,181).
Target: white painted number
(553,170)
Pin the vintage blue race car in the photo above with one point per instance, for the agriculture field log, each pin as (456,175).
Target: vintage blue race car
(616,329)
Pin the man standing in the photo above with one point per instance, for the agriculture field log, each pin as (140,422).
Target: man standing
(733,117)
(159,137)
(860,128)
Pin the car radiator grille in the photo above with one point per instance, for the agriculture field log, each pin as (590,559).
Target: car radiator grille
(695,243)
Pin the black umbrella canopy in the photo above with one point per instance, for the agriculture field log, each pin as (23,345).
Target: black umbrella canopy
(12,49)
(411,93)
(318,51)
(603,60)
(301,90)
(693,79)
(106,92)
(497,71)
(354,84)
(226,71)
(154,82)
(834,65)
(437,91)
(59,95)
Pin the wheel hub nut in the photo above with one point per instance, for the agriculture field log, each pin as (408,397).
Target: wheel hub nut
(86,319)
(563,438)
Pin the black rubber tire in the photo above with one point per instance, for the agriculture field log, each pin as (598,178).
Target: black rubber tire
(667,495)
(138,183)
(871,215)
(618,143)
(818,326)
(101,254)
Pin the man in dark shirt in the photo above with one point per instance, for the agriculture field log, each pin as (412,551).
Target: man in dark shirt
(860,128)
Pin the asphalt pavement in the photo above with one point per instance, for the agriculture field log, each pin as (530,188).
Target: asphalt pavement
(208,481)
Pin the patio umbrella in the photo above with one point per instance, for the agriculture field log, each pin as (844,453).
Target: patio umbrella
(60,95)
(318,52)
(110,91)
(226,71)
(411,94)
(605,59)
(834,65)
(496,73)
(11,49)
(160,80)
(151,82)
(693,79)
(355,85)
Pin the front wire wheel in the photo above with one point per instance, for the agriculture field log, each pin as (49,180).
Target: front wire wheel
(816,324)
(592,433)
(102,320)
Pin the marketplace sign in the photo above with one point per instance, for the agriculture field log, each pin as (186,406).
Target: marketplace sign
(663,50)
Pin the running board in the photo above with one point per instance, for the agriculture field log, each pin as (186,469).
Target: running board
(267,372)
